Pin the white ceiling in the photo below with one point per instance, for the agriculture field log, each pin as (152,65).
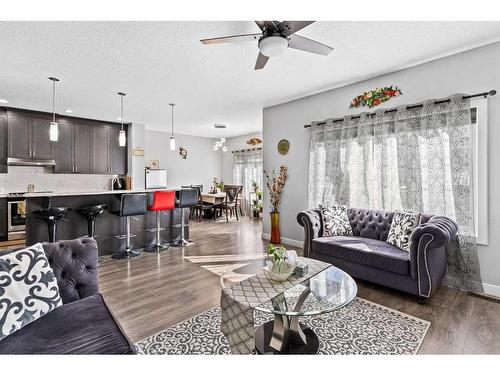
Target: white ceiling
(160,62)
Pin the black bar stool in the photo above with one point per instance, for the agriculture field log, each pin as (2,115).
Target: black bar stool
(130,205)
(91,213)
(51,216)
(187,198)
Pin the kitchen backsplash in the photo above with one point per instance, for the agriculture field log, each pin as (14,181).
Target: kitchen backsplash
(19,178)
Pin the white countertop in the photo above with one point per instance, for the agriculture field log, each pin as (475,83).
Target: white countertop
(79,193)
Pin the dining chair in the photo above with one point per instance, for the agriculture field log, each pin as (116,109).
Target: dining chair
(230,204)
(201,207)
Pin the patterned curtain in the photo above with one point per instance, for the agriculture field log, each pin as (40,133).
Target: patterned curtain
(247,168)
(411,159)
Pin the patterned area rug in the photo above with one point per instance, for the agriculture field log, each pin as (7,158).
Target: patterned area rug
(363,327)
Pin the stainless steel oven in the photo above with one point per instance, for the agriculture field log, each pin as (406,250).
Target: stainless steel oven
(16,218)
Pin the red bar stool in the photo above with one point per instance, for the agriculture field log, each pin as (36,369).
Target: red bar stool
(162,201)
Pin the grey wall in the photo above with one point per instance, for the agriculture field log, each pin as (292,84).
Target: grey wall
(469,72)
(234,143)
(200,166)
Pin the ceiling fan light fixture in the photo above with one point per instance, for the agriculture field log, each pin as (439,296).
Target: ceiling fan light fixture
(273,46)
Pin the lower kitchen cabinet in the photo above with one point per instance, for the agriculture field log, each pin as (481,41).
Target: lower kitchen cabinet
(3,219)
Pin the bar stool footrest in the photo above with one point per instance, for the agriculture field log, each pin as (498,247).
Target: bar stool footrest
(155,229)
(124,236)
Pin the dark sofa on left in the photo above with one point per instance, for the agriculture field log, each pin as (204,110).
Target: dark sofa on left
(83,324)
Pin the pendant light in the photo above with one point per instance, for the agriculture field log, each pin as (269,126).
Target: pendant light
(54,128)
(172,138)
(220,143)
(122,137)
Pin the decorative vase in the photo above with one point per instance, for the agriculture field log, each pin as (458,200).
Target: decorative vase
(275,228)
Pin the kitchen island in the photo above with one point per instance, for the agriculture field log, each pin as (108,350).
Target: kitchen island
(107,225)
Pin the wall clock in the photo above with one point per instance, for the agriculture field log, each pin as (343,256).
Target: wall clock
(283,146)
(183,152)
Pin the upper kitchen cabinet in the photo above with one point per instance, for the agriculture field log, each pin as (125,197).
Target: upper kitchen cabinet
(118,154)
(42,147)
(19,136)
(28,136)
(74,148)
(100,150)
(3,142)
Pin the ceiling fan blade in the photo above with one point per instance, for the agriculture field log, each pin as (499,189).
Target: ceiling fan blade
(232,39)
(268,25)
(261,61)
(308,45)
(291,27)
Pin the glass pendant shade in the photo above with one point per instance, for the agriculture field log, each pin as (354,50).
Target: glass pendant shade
(122,138)
(216,147)
(224,149)
(54,131)
(172,143)
(222,140)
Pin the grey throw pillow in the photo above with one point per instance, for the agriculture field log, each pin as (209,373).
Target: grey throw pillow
(403,224)
(28,288)
(335,221)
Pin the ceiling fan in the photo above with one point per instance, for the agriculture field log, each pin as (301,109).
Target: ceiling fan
(275,37)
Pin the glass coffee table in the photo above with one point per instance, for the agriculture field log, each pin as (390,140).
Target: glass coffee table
(328,290)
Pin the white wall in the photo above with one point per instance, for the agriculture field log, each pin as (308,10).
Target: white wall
(18,179)
(200,166)
(469,72)
(234,143)
(136,163)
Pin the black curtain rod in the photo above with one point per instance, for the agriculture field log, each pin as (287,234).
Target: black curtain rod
(485,94)
(248,149)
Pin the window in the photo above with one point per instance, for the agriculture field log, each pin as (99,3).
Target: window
(479,117)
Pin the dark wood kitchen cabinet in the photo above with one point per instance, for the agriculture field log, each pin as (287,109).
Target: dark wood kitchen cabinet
(3,219)
(118,154)
(74,148)
(19,129)
(28,136)
(83,147)
(100,150)
(3,143)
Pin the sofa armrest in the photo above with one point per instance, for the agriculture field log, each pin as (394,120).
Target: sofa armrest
(75,266)
(310,219)
(428,252)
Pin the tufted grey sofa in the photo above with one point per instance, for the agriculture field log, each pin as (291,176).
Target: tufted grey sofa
(83,324)
(367,256)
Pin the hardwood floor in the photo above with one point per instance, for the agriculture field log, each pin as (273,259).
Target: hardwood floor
(155,291)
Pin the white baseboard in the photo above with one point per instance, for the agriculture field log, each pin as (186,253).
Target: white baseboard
(284,240)
(492,290)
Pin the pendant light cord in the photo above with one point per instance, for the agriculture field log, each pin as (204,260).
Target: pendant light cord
(172,106)
(53,101)
(121,110)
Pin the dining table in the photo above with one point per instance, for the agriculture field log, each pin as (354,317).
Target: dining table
(213,198)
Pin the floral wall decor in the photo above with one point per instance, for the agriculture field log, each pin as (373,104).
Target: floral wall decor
(254,141)
(374,97)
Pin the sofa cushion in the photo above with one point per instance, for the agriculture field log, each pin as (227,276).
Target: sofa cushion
(28,289)
(81,327)
(335,220)
(403,224)
(367,251)
(370,223)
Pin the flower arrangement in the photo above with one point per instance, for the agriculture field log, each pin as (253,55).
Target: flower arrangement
(275,185)
(254,141)
(375,97)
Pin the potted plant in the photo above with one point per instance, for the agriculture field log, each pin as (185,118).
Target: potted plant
(278,265)
(275,185)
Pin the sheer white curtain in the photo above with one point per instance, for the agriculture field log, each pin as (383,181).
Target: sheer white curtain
(413,159)
(247,168)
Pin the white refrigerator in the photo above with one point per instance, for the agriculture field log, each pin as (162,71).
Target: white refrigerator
(156,179)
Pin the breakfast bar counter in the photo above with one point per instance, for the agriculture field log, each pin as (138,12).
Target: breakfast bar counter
(108,225)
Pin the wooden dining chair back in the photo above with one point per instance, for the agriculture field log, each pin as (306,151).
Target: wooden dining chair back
(231,200)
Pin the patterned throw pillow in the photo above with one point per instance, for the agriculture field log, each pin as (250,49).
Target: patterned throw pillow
(28,288)
(403,224)
(335,221)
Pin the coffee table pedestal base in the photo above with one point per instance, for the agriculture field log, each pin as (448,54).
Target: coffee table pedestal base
(264,336)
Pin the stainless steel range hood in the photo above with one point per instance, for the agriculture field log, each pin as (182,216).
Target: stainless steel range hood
(31,162)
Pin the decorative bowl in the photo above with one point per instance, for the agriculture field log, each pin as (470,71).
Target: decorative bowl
(270,271)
